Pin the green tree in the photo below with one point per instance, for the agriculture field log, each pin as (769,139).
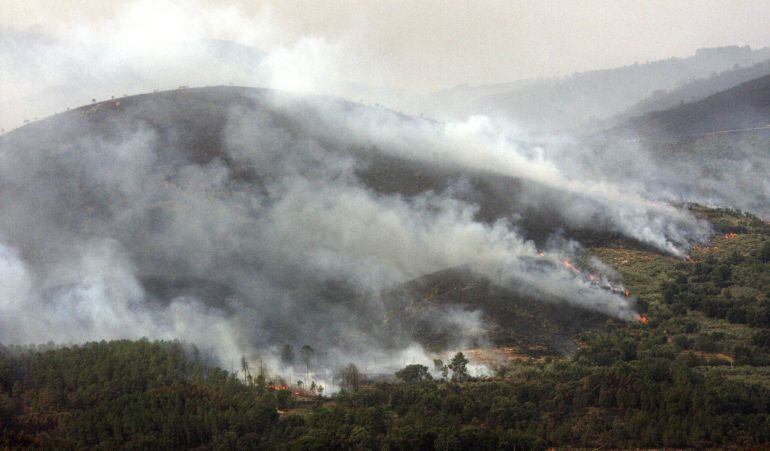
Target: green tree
(307,356)
(761,339)
(764,253)
(350,377)
(721,275)
(459,367)
(245,369)
(414,373)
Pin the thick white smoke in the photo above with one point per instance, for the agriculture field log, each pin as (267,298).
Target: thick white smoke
(588,199)
(276,224)
(121,233)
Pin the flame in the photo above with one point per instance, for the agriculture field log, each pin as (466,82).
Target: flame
(628,293)
(593,279)
(570,266)
(542,254)
(642,319)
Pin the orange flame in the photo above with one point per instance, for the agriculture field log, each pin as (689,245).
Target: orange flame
(642,319)
(570,266)
(628,293)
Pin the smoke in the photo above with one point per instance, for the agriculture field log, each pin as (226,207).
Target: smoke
(157,45)
(121,230)
(244,220)
(479,144)
(730,175)
(718,171)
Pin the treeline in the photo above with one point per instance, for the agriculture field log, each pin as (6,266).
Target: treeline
(645,403)
(624,389)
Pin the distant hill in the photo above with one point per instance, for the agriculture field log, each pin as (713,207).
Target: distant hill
(695,90)
(581,99)
(745,106)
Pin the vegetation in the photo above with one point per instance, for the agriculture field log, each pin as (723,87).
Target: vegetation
(126,394)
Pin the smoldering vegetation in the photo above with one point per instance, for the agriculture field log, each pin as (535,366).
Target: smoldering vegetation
(242,219)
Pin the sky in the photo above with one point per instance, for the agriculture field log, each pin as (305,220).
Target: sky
(420,45)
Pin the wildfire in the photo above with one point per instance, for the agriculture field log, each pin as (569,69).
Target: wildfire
(570,266)
(277,387)
(731,235)
(628,293)
(642,319)
(594,279)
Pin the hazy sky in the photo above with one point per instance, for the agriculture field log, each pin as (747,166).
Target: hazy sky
(425,45)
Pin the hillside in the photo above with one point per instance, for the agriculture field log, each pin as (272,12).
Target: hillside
(147,210)
(518,322)
(695,90)
(193,159)
(192,127)
(208,200)
(746,106)
(389,226)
